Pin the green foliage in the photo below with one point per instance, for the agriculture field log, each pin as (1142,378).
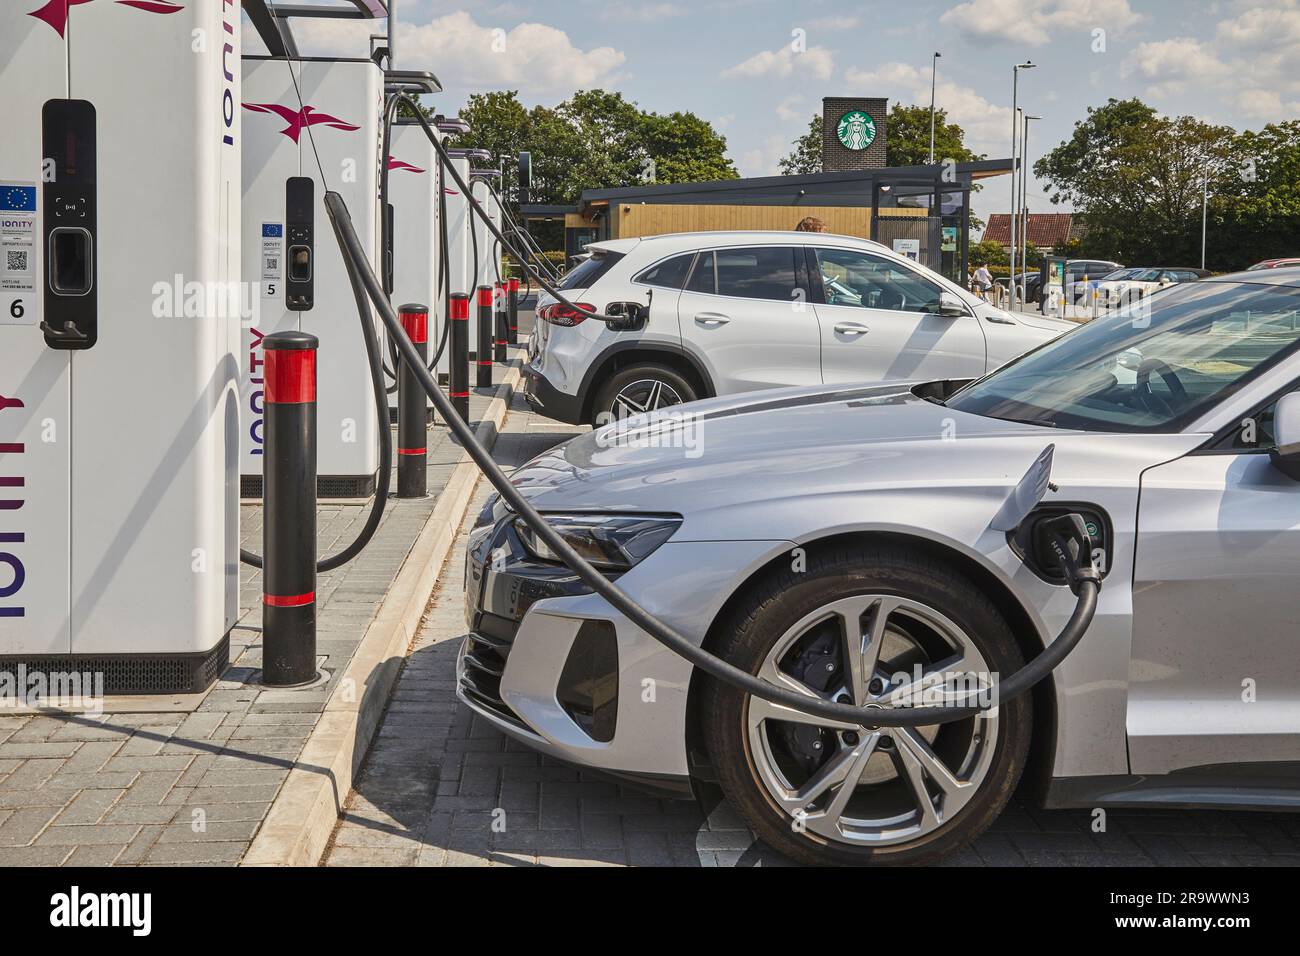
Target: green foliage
(593,140)
(988,253)
(907,141)
(1138,180)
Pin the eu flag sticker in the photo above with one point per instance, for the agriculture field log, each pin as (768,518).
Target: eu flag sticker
(17,197)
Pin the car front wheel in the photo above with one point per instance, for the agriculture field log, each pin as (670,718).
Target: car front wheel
(867,626)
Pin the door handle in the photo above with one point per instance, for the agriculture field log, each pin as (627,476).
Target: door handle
(711,318)
(851,328)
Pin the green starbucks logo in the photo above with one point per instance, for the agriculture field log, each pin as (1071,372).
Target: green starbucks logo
(856,130)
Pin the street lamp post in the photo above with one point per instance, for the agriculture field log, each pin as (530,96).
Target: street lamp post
(1015,137)
(934,72)
(1024,193)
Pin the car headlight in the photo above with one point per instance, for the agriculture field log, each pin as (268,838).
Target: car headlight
(609,542)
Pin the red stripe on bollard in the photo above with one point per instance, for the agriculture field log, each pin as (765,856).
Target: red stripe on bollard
(460,308)
(416,326)
(459,394)
(412,451)
(484,296)
(290,377)
(514,285)
(296,600)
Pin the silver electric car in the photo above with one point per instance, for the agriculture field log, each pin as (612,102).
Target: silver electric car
(839,541)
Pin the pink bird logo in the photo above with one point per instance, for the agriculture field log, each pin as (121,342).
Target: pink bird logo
(394,163)
(55,12)
(298,120)
(6,402)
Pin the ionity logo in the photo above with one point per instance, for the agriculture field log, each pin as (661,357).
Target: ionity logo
(7,504)
(55,12)
(298,120)
(394,163)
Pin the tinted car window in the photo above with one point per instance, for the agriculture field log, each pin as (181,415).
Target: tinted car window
(702,276)
(861,279)
(585,274)
(757,273)
(669,274)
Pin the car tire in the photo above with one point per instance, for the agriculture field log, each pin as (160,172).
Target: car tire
(765,615)
(635,381)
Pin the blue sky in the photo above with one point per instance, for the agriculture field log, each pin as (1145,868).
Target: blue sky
(758,68)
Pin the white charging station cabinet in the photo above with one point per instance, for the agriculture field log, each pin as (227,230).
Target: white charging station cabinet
(489,264)
(413,193)
(119,338)
(460,264)
(291,252)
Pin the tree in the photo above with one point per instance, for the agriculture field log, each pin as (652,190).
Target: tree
(593,140)
(988,252)
(907,141)
(807,155)
(1255,199)
(1136,179)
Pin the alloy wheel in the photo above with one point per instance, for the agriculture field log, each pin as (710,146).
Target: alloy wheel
(872,786)
(644,395)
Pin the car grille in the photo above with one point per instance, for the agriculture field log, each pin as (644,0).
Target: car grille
(484,658)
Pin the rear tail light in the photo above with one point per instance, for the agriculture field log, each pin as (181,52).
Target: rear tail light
(559,314)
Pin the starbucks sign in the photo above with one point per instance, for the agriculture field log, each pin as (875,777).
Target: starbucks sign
(856,130)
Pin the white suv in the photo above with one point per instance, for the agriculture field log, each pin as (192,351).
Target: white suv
(732,311)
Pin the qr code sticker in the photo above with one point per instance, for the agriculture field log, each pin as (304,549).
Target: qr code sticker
(272,264)
(16,260)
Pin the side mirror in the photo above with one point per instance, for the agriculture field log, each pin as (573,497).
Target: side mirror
(950,306)
(631,316)
(1285,453)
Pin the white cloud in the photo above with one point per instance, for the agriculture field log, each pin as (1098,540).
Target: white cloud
(1168,66)
(1034,21)
(531,56)
(987,126)
(818,62)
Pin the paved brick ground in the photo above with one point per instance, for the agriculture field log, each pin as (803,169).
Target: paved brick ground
(172,788)
(437,778)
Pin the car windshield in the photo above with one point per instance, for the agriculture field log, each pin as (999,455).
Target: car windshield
(1153,367)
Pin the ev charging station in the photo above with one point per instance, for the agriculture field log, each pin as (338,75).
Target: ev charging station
(303,284)
(460,265)
(413,183)
(119,335)
(489,261)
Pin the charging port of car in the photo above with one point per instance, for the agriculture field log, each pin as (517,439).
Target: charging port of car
(1033,540)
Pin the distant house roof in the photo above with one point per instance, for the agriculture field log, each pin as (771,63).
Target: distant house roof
(1046,229)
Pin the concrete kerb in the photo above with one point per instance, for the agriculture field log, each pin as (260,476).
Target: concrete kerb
(302,817)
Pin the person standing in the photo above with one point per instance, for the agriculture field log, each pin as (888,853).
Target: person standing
(983,281)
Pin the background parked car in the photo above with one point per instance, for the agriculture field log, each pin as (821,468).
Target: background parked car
(1118,292)
(1080,291)
(729,312)
(1275,264)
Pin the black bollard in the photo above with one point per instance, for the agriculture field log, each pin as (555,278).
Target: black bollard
(412,431)
(512,309)
(499,351)
(483,360)
(460,354)
(289,505)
